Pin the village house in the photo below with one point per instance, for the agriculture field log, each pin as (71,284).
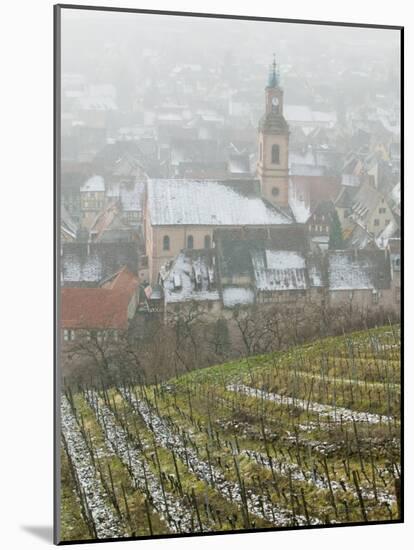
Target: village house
(360,279)
(87,264)
(319,224)
(191,278)
(371,209)
(109,226)
(244,272)
(92,200)
(105,311)
(68,228)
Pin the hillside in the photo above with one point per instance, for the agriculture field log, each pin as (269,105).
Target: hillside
(305,437)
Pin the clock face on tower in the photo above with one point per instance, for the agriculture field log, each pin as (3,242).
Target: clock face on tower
(275,101)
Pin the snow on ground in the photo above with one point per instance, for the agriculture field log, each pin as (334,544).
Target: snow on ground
(165,437)
(319,408)
(171,510)
(106,523)
(315,478)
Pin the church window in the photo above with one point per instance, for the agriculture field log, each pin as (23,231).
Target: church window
(261,151)
(275,191)
(275,154)
(190,241)
(207,241)
(166,243)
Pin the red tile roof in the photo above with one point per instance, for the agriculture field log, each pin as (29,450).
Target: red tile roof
(99,308)
(124,280)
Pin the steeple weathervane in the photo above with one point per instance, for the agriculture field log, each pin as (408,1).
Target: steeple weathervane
(273,74)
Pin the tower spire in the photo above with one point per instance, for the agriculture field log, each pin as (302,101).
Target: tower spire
(273,74)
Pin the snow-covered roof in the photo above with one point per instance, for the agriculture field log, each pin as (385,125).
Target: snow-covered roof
(357,270)
(132,196)
(239,164)
(303,113)
(192,202)
(237,295)
(298,204)
(279,270)
(86,264)
(95,183)
(191,276)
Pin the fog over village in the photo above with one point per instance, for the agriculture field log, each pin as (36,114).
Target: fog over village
(230,198)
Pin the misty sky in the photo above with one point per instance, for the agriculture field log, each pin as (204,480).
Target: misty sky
(90,37)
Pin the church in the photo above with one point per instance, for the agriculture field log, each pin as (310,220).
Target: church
(182,214)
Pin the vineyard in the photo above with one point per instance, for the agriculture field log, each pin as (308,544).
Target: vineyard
(304,437)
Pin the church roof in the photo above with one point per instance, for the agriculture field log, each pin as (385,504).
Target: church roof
(193,202)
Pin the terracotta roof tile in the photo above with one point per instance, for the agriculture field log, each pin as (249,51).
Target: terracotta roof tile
(99,308)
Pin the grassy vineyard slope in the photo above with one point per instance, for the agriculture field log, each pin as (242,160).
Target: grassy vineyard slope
(304,437)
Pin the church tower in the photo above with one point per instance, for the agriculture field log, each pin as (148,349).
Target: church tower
(272,165)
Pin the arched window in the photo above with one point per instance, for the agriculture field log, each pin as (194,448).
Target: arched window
(166,243)
(207,241)
(275,191)
(260,151)
(275,154)
(190,241)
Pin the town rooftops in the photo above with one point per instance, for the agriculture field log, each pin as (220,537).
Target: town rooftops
(94,308)
(124,280)
(93,184)
(191,277)
(99,308)
(358,270)
(298,114)
(279,270)
(360,237)
(192,202)
(68,226)
(346,196)
(86,264)
(365,200)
